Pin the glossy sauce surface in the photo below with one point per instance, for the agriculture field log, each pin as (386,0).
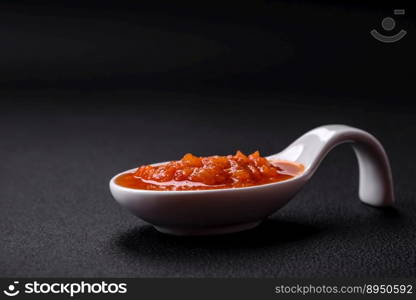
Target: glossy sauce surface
(212,172)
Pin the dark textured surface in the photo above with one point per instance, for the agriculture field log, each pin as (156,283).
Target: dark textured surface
(87,92)
(58,218)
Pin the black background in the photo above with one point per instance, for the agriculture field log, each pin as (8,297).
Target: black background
(89,91)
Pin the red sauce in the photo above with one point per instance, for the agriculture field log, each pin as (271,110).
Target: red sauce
(212,172)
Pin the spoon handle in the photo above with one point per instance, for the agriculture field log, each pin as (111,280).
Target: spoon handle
(375,178)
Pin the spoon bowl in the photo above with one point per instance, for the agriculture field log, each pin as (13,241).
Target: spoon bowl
(219,211)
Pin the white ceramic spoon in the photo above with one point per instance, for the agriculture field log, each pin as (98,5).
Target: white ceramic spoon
(203,212)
